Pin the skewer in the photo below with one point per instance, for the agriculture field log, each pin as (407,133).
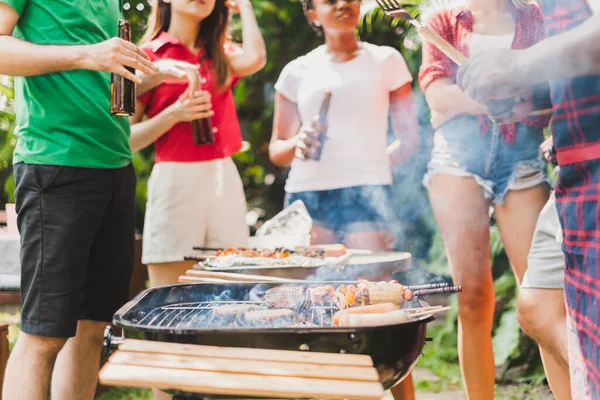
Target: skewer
(207,248)
(428,286)
(417,309)
(427,312)
(443,290)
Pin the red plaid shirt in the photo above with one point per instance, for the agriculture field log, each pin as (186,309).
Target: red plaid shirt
(576,114)
(456,26)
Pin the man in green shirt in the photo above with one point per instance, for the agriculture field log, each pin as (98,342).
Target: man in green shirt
(75,188)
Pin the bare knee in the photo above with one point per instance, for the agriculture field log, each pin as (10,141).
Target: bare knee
(90,332)
(476,304)
(39,346)
(532,316)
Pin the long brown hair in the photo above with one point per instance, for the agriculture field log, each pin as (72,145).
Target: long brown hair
(212,35)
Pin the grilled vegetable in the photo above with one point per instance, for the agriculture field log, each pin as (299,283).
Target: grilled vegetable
(384,292)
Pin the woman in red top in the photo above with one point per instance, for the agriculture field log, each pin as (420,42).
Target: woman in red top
(476,166)
(195,194)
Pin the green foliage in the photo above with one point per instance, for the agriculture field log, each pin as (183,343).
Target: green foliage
(7,139)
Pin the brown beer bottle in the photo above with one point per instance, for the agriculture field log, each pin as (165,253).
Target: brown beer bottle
(320,125)
(123,90)
(202,131)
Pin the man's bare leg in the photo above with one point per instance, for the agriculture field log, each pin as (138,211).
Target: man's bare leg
(30,367)
(76,370)
(542,316)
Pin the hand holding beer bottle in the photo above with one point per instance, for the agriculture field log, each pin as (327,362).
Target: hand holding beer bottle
(195,106)
(311,140)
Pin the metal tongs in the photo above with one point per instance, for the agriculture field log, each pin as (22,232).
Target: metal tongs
(497,107)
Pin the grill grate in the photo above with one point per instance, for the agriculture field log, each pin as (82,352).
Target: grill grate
(202,316)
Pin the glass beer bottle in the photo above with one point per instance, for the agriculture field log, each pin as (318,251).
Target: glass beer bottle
(123,90)
(202,130)
(320,126)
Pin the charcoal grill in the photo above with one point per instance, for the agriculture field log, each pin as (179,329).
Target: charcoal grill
(184,314)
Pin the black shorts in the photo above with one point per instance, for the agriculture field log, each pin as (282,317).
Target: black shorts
(77,230)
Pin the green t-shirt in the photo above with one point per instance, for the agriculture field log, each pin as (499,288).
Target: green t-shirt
(64,118)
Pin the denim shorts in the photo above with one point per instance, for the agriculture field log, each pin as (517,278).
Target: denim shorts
(349,210)
(460,149)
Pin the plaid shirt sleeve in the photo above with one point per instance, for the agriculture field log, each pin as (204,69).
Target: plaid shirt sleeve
(532,31)
(437,65)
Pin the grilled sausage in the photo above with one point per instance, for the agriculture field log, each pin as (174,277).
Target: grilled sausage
(363,320)
(372,309)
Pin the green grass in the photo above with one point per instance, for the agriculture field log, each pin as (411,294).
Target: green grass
(127,394)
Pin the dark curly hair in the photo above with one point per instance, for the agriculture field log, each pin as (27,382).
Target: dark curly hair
(308,5)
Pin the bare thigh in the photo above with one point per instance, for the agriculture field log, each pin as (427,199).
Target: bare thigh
(168,273)
(462,212)
(516,219)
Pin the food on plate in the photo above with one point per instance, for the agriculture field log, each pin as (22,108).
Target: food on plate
(280,252)
(245,252)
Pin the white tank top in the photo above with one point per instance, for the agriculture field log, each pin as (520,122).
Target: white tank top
(479,43)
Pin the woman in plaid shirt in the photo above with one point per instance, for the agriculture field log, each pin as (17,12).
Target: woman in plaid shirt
(570,60)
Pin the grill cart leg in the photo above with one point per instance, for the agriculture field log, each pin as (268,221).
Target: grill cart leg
(111,342)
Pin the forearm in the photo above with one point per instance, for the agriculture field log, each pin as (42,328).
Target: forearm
(147,132)
(283,151)
(405,127)
(570,54)
(446,97)
(253,42)
(149,82)
(20,58)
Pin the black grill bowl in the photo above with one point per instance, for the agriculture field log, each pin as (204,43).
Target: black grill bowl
(393,348)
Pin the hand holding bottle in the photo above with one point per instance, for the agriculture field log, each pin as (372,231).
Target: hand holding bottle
(188,107)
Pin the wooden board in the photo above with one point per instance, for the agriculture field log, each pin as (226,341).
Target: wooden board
(242,372)
(148,346)
(267,368)
(238,384)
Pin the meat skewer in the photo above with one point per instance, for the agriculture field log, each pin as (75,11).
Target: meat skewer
(443,290)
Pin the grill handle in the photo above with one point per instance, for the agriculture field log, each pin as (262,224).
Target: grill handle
(111,342)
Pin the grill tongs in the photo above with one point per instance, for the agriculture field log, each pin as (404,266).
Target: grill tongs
(497,107)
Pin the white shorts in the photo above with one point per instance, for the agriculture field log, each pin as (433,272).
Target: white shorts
(193,204)
(545,263)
